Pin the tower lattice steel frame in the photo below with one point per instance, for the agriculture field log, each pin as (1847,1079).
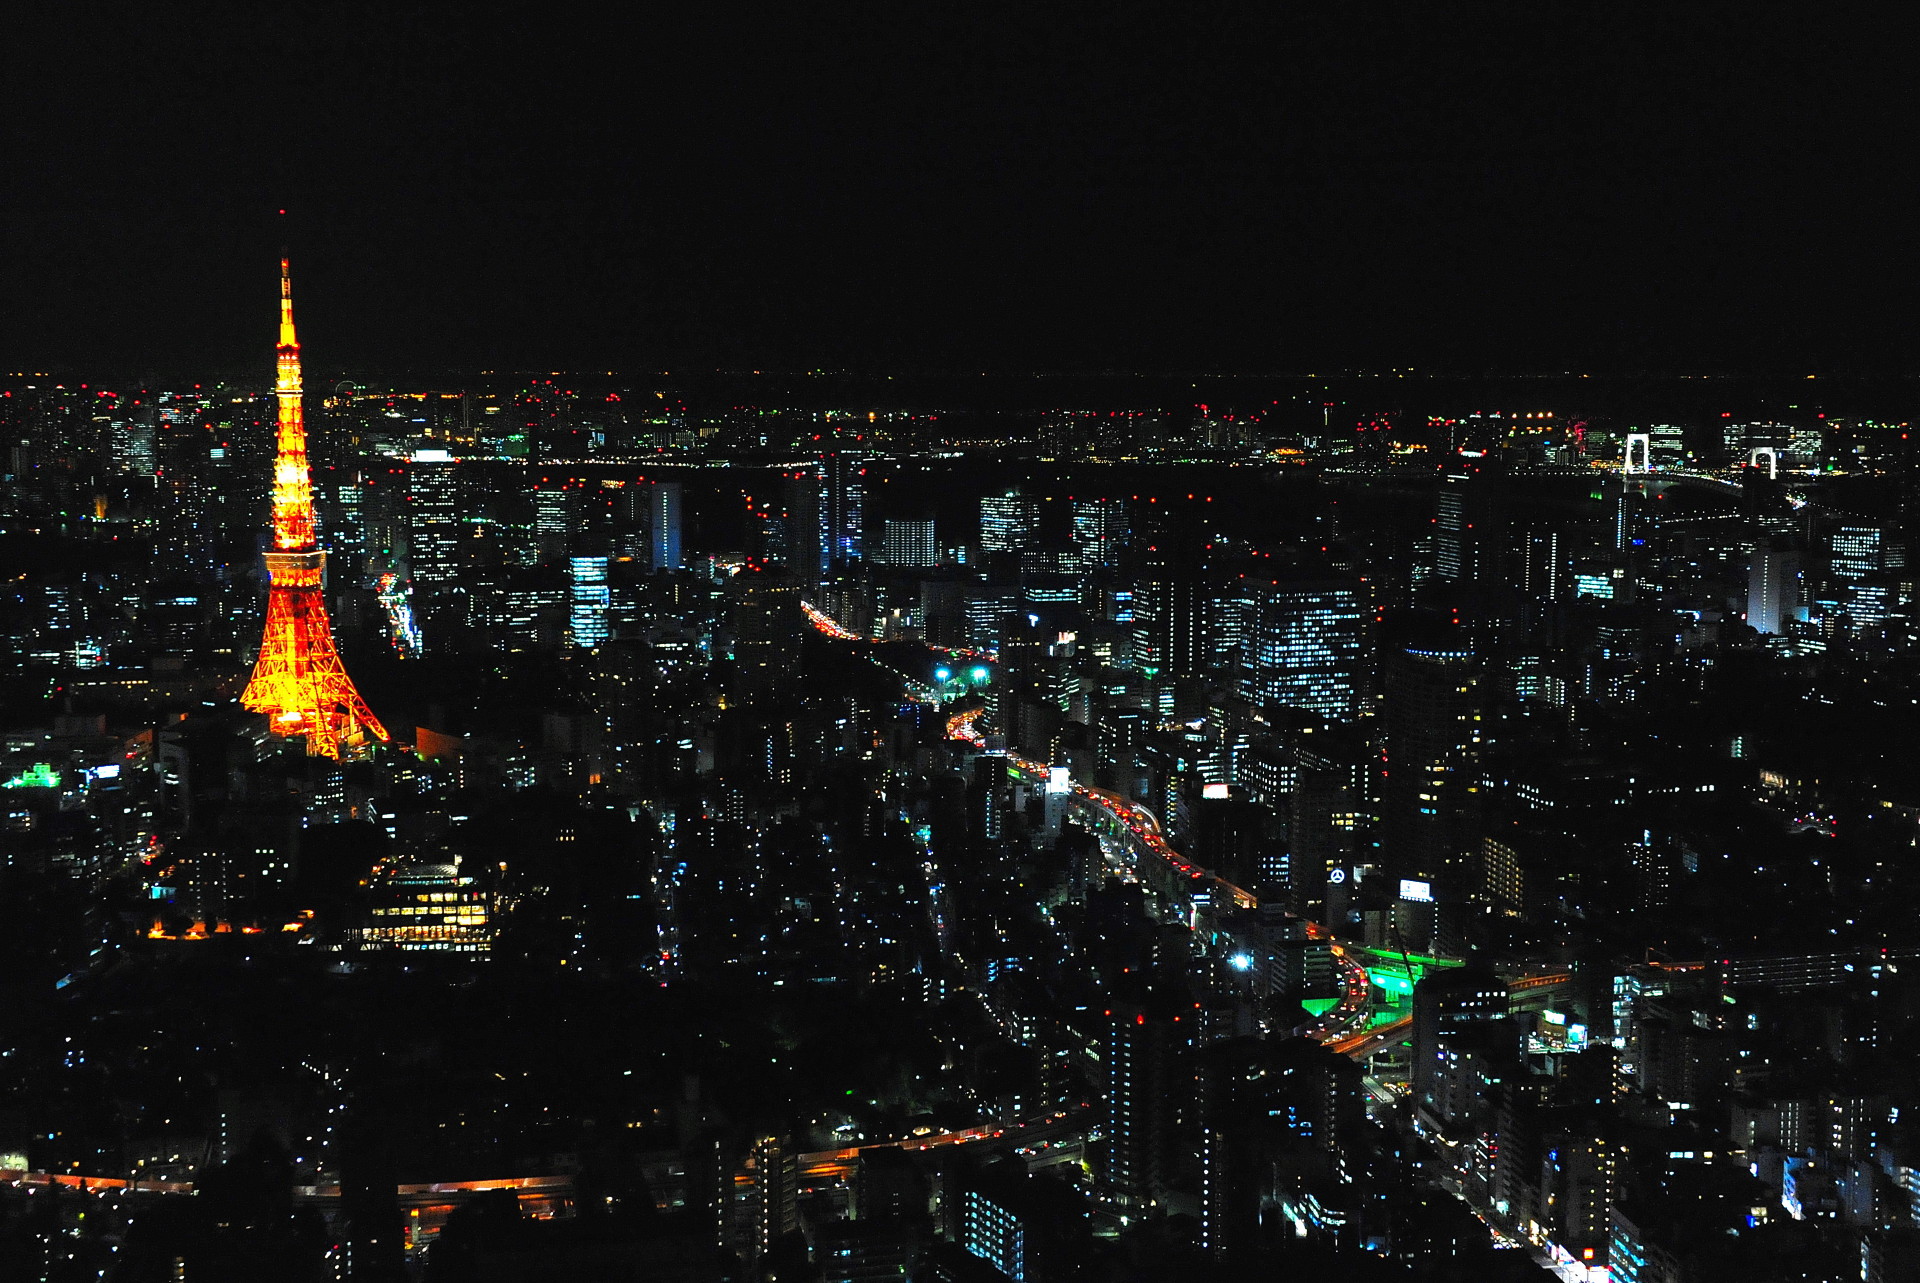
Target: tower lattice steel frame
(298,680)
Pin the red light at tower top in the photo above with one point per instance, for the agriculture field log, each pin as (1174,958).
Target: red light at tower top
(298,680)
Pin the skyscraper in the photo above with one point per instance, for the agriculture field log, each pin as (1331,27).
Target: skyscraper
(433,515)
(1859,591)
(911,544)
(843,505)
(767,625)
(588,601)
(1773,588)
(298,680)
(807,550)
(554,505)
(1466,538)
(1007,521)
(1432,751)
(1141,1046)
(1860,551)
(1099,530)
(1305,644)
(826,513)
(132,444)
(986,611)
(547,417)
(1544,569)
(663,525)
(1170,590)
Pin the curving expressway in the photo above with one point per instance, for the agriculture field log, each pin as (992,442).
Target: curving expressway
(1141,830)
(961,726)
(833,628)
(1163,868)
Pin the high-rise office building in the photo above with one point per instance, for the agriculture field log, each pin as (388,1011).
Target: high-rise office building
(825,504)
(1450,552)
(663,525)
(1546,566)
(1141,1049)
(433,516)
(520,608)
(1430,760)
(807,544)
(1007,521)
(1099,531)
(987,612)
(1773,588)
(1306,642)
(1466,538)
(767,623)
(910,544)
(1859,593)
(1327,812)
(1231,611)
(589,602)
(131,442)
(1858,552)
(1463,1044)
(843,505)
(1171,590)
(346,495)
(554,505)
(1668,444)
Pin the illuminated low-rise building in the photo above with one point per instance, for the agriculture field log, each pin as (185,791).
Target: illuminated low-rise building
(428,906)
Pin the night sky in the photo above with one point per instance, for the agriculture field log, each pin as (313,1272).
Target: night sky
(1135,187)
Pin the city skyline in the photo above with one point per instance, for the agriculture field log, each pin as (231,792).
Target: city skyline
(985,647)
(1394,772)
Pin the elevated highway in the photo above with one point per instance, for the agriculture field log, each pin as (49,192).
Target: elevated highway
(1160,866)
(1522,992)
(1184,884)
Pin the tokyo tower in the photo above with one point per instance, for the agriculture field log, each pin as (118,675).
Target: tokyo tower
(299,681)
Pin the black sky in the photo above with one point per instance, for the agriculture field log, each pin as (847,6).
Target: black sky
(1122,186)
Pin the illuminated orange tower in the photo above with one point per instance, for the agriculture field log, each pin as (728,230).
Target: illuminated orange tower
(299,681)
